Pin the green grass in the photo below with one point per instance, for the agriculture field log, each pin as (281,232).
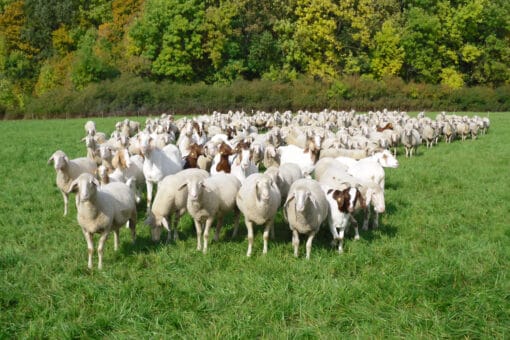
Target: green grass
(437,267)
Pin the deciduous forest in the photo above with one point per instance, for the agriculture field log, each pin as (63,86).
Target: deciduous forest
(54,49)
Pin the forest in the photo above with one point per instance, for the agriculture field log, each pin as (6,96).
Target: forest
(64,49)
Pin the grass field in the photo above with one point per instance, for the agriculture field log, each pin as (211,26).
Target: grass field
(437,267)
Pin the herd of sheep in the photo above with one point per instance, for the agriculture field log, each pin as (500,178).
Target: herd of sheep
(319,167)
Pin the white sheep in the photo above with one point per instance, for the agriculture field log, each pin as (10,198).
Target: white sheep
(304,158)
(171,198)
(158,163)
(209,199)
(305,210)
(242,164)
(68,170)
(284,176)
(258,199)
(410,139)
(102,210)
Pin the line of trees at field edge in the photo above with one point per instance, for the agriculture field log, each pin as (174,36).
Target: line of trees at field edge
(66,45)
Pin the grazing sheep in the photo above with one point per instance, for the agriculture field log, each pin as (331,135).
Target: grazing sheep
(258,199)
(68,170)
(209,199)
(305,209)
(171,198)
(102,210)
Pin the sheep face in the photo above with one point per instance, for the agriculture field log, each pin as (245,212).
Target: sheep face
(145,144)
(263,189)
(387,160)
(301,198)
(86,185)
(59,160)
(377,200)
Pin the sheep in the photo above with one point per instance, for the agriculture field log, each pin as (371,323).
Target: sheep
(67,170)
(371,192)
(209,199)
(410,138)
(221,161)
(340,152)
(428,135)
(284,176)
(271,156)
(324,164)
(90,128)
(171,198)
(341,206)
(102,210)
(158,163)
(242,163)
(305,158)
(305,210)
(258,200)
(92,148)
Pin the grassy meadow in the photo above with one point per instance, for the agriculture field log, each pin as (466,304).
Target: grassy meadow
(437,267)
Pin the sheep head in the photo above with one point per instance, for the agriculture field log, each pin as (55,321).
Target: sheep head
(86,184)
(59,159)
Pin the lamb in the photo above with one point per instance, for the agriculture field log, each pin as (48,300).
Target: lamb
(284,176)
(305,210)
(171,198)
(258,199)
(158,163)
(209,199)
(102,210)
(68,170)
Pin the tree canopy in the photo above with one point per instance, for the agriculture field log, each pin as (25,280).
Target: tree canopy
(49,44)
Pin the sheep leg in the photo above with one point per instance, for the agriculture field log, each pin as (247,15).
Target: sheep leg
(164,222)
(176,219)
(249,227)
(132,227)
(355,224)
(149,194)
(340,239)
(208,224)
(116,240)
(269,226)
(376,220)
(198,228)
(219,224)
(309,244)
(100,248)
(366,218)
(237,216)
(295,242)
(66,202)
(90,246)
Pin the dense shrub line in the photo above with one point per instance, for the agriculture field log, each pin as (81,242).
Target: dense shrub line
(130,95)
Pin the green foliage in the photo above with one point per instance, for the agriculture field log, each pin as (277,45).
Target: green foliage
(454,43)
(436,267)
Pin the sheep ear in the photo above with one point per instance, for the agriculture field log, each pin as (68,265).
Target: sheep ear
(330,191)
(52,158)
(84,139)
(94,181)
(289,198)
(73,186)
(182,186)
